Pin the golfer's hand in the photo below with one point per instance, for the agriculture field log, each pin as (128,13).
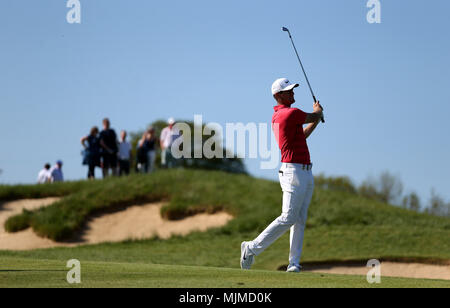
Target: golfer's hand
(317,107)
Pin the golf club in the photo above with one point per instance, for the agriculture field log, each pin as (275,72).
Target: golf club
(303,69)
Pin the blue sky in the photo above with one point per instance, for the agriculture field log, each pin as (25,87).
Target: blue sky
(384,86)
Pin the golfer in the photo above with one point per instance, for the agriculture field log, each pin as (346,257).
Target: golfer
(295,176)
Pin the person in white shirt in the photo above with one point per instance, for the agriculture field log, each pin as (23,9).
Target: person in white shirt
(56,172)
(124,154)
(44,175)
(168,137)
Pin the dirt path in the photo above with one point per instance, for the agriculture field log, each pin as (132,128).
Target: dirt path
(135,222)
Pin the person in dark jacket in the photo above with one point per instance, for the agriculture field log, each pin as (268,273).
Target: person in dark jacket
(147,149)
(92,151)
(109,148)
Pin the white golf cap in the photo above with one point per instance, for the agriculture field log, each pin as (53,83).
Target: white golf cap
(171,121)
(283,84)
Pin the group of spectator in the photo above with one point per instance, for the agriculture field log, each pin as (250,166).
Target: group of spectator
(102,149)
(146,151)
(51,174)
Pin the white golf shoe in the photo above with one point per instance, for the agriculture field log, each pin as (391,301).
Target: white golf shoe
(247,258)
(292,268)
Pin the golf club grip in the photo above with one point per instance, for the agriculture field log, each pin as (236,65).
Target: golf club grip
(316,101)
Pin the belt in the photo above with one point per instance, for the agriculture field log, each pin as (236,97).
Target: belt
(302,166)
(307,167)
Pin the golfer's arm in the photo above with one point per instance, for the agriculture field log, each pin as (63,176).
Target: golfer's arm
(310,128)
(313,117)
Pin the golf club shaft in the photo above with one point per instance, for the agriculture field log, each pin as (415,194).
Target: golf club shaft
(303,69)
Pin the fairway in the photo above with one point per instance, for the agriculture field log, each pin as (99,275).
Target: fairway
(27,273)
(342,226)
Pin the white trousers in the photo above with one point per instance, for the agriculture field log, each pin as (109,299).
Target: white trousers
(297,184)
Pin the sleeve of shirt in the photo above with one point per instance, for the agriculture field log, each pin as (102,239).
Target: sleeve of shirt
(300,116)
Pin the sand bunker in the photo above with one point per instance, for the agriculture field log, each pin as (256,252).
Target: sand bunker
(26,239)
(388,269)
(144,221)
(135,222)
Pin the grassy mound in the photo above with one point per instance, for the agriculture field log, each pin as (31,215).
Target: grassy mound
(341,225)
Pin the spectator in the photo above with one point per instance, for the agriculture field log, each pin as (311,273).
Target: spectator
(56,174)
(44,175)
(151,147)
(168,136)
(142,159)
(147,150)
(92,151)
(124,154)
(109,149)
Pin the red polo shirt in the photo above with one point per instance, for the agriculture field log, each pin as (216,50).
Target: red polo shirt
(290,136)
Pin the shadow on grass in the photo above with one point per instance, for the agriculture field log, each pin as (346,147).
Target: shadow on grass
(323,265)
(19,271)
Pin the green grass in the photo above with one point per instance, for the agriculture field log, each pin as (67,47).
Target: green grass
(50,273)
(223,251)
(341,225)
(15,192)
